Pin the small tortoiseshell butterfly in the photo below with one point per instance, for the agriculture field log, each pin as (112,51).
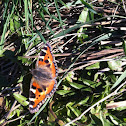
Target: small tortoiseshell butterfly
(43,82)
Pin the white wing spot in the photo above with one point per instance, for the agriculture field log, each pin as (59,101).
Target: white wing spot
(30,106)
(31,99)
(33,90)
(43,50)
(42,57)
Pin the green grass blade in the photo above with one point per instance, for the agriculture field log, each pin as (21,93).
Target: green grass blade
(60,19)
(5,28)
(119,80)
(30,16)
(26,13)
(63,3)
(39,111)
(41,36)
(89,7)
(5,10)
(68,30)
(33,38)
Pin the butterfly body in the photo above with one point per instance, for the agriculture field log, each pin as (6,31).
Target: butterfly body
(42,75)
(43,82)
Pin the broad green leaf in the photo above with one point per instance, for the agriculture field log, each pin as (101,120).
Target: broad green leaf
(95,121)
(82,102)
(86,89)
(68,112)
(20,79)
(89,83)
(63,92)
(105,122)
(11,25)
(115,121)
(73,109)
(96,76)
(115,65)
(21,99)
(18,112)
(70,76)
(76,85)
(83,16)
(113,78)
(124,46)
(121,108)
(16,22)
(1,53)
(24,60)
(12,114)
(94,66)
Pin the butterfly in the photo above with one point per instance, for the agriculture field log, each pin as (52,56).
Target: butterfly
(43,82)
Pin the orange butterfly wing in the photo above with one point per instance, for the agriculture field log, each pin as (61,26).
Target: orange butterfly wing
(43,82)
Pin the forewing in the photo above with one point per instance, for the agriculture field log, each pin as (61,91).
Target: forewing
(46,58)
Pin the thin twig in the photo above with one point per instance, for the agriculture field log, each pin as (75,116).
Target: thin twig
(8,114)
(116,104)
(60,122)
(124,6)
(14,119)
(88,63)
